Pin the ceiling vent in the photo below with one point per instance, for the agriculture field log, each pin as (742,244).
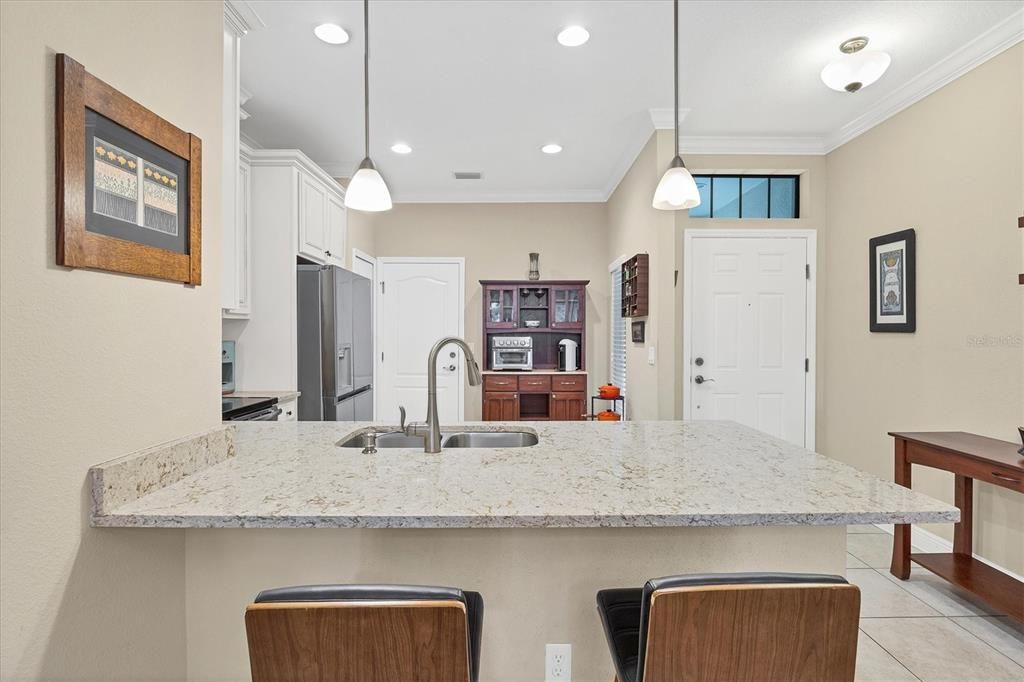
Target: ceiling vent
(468,175)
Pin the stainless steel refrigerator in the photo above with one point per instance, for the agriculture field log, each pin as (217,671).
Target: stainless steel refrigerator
(335,344)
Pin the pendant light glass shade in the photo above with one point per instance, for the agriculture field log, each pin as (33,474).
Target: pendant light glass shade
(367,190)
(853,72)
(677,189)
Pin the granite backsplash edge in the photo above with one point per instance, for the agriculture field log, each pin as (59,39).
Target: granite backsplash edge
(125,479)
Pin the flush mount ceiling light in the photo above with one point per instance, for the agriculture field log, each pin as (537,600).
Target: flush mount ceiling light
(857,68)
(677,190)
(367,190)
(551,148)
(401,148)
(331,33)
(573,36)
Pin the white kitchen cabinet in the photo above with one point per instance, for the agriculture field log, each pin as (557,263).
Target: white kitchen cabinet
(297,211)
(289,411)
(241,244)
(337,230)
(312,218)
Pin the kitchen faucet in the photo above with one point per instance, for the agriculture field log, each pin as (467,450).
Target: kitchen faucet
(430,430)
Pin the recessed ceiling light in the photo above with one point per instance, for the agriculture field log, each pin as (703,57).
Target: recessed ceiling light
(401,148)
(573,36)
(331,33)
(551,148)
(857,68)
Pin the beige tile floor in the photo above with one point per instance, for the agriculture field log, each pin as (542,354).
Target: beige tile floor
(924,628)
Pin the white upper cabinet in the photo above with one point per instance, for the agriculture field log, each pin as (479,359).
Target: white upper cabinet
(312,218)
(242,271)
(337,230)
(229,175)
(314,201)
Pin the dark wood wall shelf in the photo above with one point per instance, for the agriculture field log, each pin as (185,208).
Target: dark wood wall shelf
(636,286)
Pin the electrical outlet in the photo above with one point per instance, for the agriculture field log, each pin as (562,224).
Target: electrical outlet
(558,663)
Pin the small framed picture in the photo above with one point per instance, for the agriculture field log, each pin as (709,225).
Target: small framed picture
(129,183)
(638,331)
(893,271)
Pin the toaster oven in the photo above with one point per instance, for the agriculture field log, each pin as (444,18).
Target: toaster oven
(512,352)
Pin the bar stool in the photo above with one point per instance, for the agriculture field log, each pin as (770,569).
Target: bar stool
(364,633)
(733,626)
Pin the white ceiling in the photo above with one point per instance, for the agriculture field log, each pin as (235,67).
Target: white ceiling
(480,85)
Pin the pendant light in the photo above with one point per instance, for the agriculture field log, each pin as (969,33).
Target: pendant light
(677,190)
(367,190)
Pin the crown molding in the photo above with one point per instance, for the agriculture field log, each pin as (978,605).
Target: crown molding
(782,146)
(455,196)
(240,17)
(999,38)
(294,158)
(339,169)
(250,141)
(661,119)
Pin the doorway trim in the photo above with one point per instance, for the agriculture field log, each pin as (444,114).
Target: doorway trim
(363,257)
(810,321)
(382,263)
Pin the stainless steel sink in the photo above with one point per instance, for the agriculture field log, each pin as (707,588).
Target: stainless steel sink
(384,440)
(464,439)
(490,439)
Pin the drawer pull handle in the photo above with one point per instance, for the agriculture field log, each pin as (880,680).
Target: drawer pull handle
(1003,477)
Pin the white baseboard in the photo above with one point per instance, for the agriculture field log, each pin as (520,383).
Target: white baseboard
(930,543)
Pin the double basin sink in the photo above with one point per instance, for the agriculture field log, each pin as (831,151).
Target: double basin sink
(462,439)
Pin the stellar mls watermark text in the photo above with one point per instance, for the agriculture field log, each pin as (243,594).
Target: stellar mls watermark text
(995,341)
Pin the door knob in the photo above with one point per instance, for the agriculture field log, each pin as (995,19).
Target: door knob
(700,380)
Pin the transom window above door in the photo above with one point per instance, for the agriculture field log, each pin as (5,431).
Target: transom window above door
(747,196)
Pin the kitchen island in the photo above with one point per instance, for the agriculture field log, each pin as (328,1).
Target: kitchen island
(538,530)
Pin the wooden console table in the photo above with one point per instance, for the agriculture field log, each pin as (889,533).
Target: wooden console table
(969,457)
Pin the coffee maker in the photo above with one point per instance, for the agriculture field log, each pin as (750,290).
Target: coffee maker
(568,355)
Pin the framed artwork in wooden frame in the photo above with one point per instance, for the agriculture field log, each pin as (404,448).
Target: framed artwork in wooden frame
(893,267)
(129,183)
(638,331)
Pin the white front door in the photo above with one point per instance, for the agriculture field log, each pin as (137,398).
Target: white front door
(420,301)
(749,299)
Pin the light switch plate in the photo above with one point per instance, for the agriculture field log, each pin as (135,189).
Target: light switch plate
(651,354)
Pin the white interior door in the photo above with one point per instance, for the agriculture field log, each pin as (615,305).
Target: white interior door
(420,301)
(748,351)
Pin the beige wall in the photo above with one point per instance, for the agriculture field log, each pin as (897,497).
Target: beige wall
(656,391)
(496,240)
(96,365)
(949,167)
(635,227)
(538,584)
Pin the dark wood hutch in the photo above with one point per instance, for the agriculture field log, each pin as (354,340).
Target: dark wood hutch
(547,311)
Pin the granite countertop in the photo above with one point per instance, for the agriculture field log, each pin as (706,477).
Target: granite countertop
(282,396)
(581,474)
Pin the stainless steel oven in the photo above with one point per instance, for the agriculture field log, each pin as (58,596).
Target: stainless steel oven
(512,352)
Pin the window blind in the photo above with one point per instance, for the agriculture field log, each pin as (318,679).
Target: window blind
(618,330)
